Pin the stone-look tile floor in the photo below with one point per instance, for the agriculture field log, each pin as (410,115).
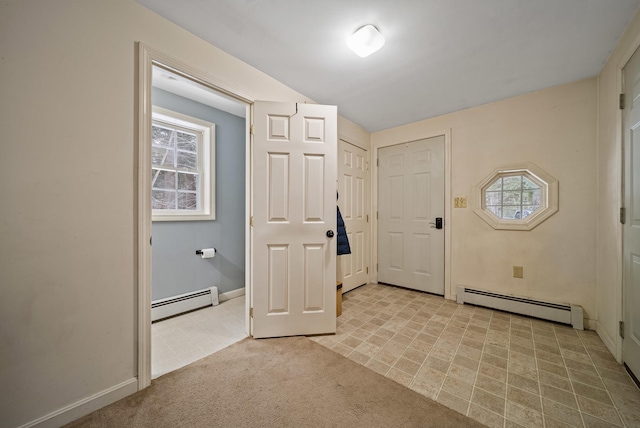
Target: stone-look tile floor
(500,369)
(181,340)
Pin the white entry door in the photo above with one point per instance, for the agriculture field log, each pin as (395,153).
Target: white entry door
(294,219)
(410,200)
(631,238)
(353,185)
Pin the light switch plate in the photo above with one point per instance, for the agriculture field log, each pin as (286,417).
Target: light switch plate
(460,202)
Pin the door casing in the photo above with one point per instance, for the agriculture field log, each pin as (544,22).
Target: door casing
(147,58)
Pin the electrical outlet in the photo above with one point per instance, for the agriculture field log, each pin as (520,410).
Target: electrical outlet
(460,202)
(518,272)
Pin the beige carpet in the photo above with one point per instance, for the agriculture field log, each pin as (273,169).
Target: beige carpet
(286,382)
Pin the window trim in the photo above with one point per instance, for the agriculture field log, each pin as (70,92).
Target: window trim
(548,198)
(206,155)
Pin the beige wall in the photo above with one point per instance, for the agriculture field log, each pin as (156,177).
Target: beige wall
(609,252)
(68,224)
(555,129)
(354,134)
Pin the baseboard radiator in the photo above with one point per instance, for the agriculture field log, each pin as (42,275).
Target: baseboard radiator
(175,305)
(562,313)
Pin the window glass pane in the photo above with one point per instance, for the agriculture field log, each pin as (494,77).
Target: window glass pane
(162,157)
(497,211)
(512,183)
(163,179)
(537,197)
(497,185)
(163,200)
(510,212)
(531,197)
(187,141)
(162,136)
(507,195)
(511,198)
(493,198)
(187,181)
(528,184)
(187,160)
(187,201)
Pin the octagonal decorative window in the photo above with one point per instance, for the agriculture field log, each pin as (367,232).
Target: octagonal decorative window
(519,197)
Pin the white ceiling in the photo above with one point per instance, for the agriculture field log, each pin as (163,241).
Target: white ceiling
(440,56)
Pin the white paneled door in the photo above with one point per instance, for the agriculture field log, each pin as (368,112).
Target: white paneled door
(631,238)
(353,187)
(294,219)
(411,215)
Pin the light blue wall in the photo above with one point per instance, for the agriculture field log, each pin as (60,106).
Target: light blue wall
(176,269)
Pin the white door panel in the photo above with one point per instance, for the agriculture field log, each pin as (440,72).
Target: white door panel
(631,239)
(293,188)
(353,185)
(410,197)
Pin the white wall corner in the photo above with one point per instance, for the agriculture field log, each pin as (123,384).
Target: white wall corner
(589,324)
(85,406)
(610,342)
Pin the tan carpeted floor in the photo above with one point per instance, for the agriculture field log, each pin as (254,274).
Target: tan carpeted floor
(285,382)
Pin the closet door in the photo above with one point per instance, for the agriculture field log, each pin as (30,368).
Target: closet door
(353,187)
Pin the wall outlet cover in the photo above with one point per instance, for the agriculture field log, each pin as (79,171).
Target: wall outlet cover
(518,272)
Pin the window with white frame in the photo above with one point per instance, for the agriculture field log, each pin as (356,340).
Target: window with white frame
(517,197)
(182,162)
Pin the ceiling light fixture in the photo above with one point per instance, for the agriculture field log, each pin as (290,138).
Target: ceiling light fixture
(365,41)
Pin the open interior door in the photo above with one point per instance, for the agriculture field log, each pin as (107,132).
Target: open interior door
(294,219)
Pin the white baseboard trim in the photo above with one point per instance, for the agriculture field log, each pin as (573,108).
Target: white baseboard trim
(231,294)
(85,406)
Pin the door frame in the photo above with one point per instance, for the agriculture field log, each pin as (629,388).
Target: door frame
(447,202)
(364,140)
(147,58)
